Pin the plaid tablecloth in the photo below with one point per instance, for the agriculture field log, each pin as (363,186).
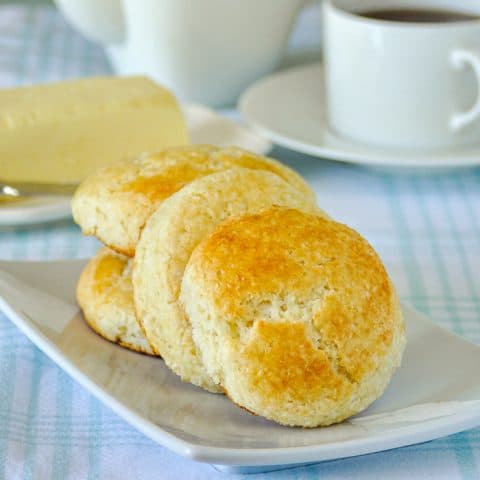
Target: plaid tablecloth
(426,228)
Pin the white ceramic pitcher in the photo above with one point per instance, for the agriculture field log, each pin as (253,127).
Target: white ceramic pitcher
(207,51)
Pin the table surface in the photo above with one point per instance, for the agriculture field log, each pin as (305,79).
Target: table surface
(426,229)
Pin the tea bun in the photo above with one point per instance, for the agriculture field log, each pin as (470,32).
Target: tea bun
(293,315)
(105,294)
(115,202)
(165,246)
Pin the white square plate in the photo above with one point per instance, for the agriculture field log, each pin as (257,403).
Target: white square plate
(436,392)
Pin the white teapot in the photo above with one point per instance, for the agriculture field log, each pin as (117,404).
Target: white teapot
(206,51)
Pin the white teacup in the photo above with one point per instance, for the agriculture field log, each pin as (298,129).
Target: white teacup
(207,51)
(402,84)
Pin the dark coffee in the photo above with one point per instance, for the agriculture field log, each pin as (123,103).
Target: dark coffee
(418,15)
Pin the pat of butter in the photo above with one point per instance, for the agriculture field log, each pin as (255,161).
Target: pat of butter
(60,133)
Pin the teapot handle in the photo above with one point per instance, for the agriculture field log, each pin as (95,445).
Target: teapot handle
(101,21)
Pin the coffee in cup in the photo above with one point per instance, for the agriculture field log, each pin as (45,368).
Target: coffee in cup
(418,15)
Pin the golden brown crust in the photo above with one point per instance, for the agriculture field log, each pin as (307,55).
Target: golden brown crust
(324,258)
(283,362)
(115,202)
(299,311)
(105,294)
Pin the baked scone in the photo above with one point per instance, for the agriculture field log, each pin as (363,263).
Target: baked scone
(169,237)
(294,315)
(105,294)
(115,202)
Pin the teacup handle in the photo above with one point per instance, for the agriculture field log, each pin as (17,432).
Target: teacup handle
(459,59)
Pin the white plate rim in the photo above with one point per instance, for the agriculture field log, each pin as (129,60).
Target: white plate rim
(366,155)
(431,429)
(43,210)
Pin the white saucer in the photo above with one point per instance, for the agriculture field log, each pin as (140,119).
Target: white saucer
(289,109)
(204,126)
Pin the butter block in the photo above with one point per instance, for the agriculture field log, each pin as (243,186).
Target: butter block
(62,132)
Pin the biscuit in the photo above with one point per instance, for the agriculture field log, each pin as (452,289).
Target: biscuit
(167,241)
(114,203)
(105,294)
(294,315)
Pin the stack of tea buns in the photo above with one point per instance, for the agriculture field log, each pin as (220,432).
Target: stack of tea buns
(219,261)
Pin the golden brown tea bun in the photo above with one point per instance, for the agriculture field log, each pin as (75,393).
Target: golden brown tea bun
(114,203)
(294,315)
(105,294)
(168,239)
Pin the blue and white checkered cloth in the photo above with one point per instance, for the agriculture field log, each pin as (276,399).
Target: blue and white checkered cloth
(426,228)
